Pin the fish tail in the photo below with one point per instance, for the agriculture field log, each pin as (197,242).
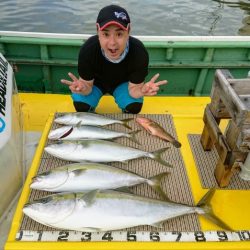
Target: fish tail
(155,183)
(157,156)
(204,203)
(176,143)
(132,136)
(126,121)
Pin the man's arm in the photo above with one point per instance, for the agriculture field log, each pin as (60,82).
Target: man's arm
(145,89)
(79,86)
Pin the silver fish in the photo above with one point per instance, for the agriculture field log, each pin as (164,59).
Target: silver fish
(85,118)
(88,132)
(109,210)
(86,176)
(100,151)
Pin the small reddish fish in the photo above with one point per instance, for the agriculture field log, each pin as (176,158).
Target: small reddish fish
(155,129)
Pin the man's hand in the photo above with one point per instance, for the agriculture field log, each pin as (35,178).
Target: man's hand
(151,88)
(79,86)
(145,89)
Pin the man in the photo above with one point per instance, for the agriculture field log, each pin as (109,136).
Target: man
(112,62)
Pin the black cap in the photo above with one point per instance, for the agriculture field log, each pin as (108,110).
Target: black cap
(113,14)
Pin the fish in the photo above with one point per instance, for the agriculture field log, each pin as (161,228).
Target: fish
(100,151)
(108,210)
(155,129)
(79,132)
(87,176)
(86,118)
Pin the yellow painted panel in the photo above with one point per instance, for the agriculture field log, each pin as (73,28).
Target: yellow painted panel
(232,206)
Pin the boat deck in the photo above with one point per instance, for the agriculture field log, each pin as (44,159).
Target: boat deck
(229,204)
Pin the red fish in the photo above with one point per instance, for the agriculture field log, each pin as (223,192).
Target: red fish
(155,129)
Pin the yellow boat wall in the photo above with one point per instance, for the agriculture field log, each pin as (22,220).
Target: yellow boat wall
(231,206)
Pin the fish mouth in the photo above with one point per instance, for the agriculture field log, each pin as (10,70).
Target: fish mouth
(49,185)
(36,182)
(27,205)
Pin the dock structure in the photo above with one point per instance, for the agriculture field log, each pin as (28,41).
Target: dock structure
(230,99)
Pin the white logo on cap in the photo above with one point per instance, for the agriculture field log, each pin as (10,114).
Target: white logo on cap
(121,15)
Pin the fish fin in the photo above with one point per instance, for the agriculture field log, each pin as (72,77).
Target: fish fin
(76,172)
(124,190)
(155,183)
(133,138)
(209,214)
(158,224)
(157,156)
(176,143)
(89,197)
(79,124)
(125,122)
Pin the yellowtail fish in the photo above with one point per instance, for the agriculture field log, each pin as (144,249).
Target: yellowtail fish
(155,129)
(100,151)
(87,176)
(110,210)
(86,118)
(79,132)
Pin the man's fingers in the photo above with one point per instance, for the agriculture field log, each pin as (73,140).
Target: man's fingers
(161,82)
(66,82)
(152,93)
(73,77)
(154,78)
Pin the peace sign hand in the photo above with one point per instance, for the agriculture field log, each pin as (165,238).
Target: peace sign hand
(151,88)
(79,86)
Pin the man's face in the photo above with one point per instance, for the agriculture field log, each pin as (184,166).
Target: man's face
(113,41)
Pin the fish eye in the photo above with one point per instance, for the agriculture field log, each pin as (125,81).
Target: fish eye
(44,173)
(45,199)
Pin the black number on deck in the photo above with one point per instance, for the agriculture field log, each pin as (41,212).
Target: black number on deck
(20,235)
(86,236)
(40,233)
(107,236)
(63,235)
(179,234)
(222,236)
(131,236)
(154,236)
(199,236)
(244,235)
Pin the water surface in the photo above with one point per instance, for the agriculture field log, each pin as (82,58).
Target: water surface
(149,17)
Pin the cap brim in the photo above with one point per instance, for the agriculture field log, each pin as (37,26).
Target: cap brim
(112,23)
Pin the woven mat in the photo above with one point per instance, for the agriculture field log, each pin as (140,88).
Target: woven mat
(206,162)
(176,184)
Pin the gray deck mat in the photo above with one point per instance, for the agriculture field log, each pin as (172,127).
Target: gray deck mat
(206,162)
(176,184)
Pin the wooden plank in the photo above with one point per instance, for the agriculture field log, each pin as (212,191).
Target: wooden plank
(234,105)
(240,86)
(245,99)
(243,140)
(232,132)
(211,124)
(217,107)
(238,137)
(223,173)
(216,135)
(205,140)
